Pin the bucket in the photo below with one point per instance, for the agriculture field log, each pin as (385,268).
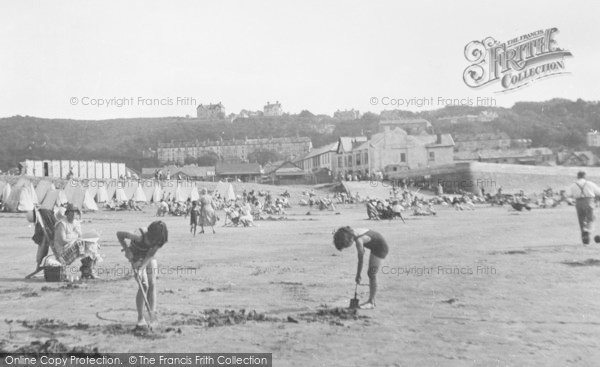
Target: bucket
(54,273)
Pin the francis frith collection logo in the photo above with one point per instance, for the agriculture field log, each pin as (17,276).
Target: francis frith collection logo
(515,63)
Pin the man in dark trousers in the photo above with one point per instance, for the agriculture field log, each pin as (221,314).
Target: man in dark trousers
(584,192)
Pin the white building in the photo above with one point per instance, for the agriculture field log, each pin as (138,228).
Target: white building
(272,109)
(593,139)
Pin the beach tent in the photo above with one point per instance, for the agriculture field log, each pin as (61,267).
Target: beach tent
(221,188)
(76,195)
(42,188)
(111,188)
(53,197)
(230,194)
(130,187)
(120,195)
(88,201)
(179,194)
(71,190)
(148,187)
(21,198)
(156,194)
(101,195)
(92,189)
(139,195)
(6,189)
(194,194)
(32,193)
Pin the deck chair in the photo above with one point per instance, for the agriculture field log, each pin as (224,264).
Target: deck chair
(43,237)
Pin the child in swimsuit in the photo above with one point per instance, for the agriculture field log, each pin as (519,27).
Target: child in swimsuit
(194,215)
(140,251)
(364,238)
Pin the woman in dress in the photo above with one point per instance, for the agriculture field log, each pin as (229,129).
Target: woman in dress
(208,217)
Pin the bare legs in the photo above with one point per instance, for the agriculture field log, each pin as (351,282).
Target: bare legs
(374,264)
(148,281)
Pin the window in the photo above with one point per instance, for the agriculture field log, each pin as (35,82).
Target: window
(358,159)
(366,157)
(349,160)
(340,162)
(431,156)
(403,157)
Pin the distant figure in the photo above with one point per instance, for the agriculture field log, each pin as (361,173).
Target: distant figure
(194,214)
(208,217)
(584,193)
(440,190)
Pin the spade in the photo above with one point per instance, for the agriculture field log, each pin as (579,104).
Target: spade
(354,301)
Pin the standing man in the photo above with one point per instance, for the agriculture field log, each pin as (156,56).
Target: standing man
(584,192)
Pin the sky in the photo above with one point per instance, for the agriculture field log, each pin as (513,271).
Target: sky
(100,59)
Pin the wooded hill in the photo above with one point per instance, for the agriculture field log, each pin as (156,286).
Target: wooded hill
(557,124)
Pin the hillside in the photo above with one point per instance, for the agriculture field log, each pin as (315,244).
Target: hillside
(556,123)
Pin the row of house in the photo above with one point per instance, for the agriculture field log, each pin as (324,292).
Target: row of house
(280,172)
(233,150)
(400,145)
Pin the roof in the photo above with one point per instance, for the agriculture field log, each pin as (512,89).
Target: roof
(321,150)
(287,169)
(481,136)
(585,156)
(188,170)
(256,141)
(237,169)
(346,143)
(405,121)
(268,167)
(440,140)
(501,153)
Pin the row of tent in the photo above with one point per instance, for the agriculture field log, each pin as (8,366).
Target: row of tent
(23,196)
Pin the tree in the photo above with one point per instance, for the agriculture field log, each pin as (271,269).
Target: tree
(306,113)
(207,159)
(263,156)
(189,160)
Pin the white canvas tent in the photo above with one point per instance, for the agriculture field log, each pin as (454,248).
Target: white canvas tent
(179,194)
(21,198)
(101,195)
(5,192)
(130,187)
(194,194)
(120,195)
(222,188)
(88,201)
(33,194)
(70,191)
(139,195)
(230,194)
(148,188)
(157,194)
(54,198)
(111,188)
(42,188)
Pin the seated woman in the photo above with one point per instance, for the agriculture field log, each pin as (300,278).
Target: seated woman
(68,245)
(372,211)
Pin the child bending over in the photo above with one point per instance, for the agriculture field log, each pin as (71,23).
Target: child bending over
(364,238)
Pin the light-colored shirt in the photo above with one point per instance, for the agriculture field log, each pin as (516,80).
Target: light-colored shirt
(583,188)
(66,232)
